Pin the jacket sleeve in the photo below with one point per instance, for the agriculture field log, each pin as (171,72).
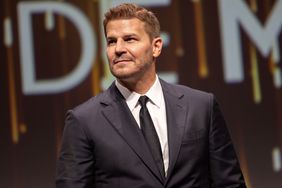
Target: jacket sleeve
(75,165)
(225,170)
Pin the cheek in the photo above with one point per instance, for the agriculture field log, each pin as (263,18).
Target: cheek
(146,54)
(109,54)
(142,53)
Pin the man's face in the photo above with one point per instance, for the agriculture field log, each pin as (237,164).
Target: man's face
(131,53)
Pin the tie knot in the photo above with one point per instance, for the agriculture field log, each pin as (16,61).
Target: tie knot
(143,100)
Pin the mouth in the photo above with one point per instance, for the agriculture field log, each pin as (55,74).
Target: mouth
(116,61)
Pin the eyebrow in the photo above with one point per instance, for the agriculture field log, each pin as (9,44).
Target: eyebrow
(125,36)
(111,38)
(131,35)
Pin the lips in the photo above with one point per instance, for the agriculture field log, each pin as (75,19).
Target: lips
(121,60)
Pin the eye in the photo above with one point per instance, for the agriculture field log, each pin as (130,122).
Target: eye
(111,42)
(130,39)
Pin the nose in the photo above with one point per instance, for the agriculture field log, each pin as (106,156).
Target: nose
(120,47)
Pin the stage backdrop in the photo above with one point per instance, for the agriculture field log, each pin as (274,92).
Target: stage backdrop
(52,58)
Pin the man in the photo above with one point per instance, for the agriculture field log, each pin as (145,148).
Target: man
(175,137)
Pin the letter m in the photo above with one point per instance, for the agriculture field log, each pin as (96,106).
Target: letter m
(235,13)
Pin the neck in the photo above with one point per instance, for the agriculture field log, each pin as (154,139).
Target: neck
(140,86)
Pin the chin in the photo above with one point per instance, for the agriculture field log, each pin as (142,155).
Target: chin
(126,77)
(123,74)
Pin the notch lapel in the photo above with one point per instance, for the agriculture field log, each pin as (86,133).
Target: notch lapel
(118,114)
(176,113)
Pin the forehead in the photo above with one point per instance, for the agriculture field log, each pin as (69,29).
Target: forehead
(125,26)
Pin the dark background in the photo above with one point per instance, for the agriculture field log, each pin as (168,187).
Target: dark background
(31,125)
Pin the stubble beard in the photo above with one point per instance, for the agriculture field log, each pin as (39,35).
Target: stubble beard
(134,76)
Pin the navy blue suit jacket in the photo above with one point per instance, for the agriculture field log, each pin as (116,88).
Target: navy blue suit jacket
(103,147)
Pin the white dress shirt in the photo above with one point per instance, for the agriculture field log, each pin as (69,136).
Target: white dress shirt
(157,110)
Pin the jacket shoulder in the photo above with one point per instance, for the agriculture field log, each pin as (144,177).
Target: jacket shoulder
(186,91)
(92,105)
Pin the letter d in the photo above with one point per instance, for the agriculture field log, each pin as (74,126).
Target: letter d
(32,86)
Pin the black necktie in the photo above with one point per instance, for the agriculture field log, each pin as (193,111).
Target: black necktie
(150,134)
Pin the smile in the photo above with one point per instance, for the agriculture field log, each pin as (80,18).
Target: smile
(121,60)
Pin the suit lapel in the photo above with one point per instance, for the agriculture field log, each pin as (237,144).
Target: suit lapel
(120,117)
(176,113)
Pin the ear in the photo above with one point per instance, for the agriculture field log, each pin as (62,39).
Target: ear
(157,44)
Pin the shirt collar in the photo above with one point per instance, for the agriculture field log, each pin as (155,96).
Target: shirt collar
(155,94)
